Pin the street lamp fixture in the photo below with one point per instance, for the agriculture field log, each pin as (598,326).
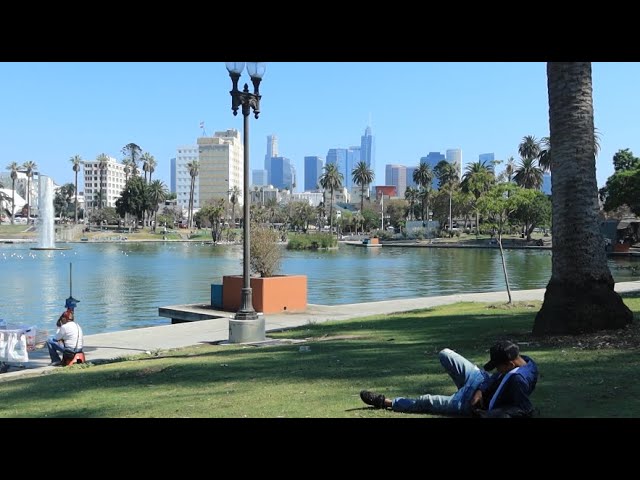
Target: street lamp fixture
(246,326)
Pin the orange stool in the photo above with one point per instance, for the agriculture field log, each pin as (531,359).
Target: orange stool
(77,358)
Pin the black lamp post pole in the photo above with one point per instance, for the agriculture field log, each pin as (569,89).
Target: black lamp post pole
(246,326)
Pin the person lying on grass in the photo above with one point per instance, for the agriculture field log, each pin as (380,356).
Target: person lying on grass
(503,394)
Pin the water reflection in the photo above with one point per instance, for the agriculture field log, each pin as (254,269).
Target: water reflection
(121,285)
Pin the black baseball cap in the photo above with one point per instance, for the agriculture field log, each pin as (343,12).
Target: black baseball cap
(502,352)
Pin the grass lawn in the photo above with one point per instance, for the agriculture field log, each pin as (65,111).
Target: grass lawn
(395,355)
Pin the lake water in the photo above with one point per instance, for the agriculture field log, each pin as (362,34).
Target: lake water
(121,285)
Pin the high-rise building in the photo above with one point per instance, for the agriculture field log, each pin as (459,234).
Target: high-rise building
(353,157)
(338,157)
(546,183)
(410,181)
(282,173)
(172,187)
(368,149)
(487,157)
(454,156)
(113,180)
(221,165)
(396,175)
(272,151)
(184,156)
(432,160)
(259,177)
(312,170)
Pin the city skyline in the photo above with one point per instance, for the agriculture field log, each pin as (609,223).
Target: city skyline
(58,110)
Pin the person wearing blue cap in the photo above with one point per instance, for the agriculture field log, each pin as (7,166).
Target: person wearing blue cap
(504,394)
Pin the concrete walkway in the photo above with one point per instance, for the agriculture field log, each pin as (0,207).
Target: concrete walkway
(113,345)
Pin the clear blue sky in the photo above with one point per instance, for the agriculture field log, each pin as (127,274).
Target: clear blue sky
(52,111)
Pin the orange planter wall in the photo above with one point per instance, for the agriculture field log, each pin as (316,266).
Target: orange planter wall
(282,293)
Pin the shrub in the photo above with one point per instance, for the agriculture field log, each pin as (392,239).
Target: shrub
(313,241)
(265,253)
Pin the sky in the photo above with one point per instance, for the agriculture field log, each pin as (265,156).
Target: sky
(51,111)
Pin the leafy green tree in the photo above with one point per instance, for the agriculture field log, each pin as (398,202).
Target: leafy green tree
(477,180)
(623,187)
(411,196)
(62,199)
(499,204)
(331,180)
(396,210)
(362,176)
(580,296)
(534,210)
(132,154)
(106,215)
(76,160)
(133,199)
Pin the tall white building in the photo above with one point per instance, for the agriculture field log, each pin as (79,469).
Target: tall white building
(454,156)
(185,155)
(221,165)
(113,182)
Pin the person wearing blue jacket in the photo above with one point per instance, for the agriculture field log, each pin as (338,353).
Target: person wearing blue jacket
(504,394)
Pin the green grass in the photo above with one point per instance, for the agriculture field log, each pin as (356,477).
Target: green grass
(395,355)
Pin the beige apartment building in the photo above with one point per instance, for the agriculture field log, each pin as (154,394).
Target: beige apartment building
(113,182)
(221,165)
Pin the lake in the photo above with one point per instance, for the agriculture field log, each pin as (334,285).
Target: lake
(121,285)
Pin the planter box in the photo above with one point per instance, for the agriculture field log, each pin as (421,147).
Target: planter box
(281,293)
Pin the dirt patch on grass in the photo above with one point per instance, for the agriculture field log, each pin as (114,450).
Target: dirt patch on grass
(624,338)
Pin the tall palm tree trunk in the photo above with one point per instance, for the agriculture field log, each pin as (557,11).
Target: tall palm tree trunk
(13,200)
(331,213)
(580,296)
(362,200)
(76,195)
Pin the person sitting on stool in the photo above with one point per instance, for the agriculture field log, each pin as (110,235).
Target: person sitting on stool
(68,337)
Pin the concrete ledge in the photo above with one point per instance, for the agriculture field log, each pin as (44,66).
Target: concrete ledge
(192,313)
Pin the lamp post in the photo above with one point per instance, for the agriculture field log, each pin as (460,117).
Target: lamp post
(246,326)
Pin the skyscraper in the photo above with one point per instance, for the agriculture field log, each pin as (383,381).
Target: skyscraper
(353,157)
(282,173)
(312,171)
(432,160)
(338,156)
(368,149)
(172,187)
(259,177)
(454,156)
(486,157)
(396,175)
(546,183)
(272,151)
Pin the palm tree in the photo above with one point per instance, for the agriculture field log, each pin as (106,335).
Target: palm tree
(411,195)
(363,176)
(29,166)
(146,158)
(76,160)
(103,163)
(235,193)
(477,180)
(127,168)
(448,180)
(529,148)
(510,169)
(194,169)
(544,157)
(423,176)
(528,174)
(580,295)
(157,192)
(151,166)
(331,179)
(133,153)
(13,168)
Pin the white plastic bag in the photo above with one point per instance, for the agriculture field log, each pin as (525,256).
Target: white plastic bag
(17,348)
(3,347)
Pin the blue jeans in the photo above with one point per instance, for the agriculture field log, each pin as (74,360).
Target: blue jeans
(466,376)
(54,347)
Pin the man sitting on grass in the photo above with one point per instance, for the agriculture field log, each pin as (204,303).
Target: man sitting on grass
(503,394)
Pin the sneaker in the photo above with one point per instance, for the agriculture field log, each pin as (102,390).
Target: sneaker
(55,364)
(373,399)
